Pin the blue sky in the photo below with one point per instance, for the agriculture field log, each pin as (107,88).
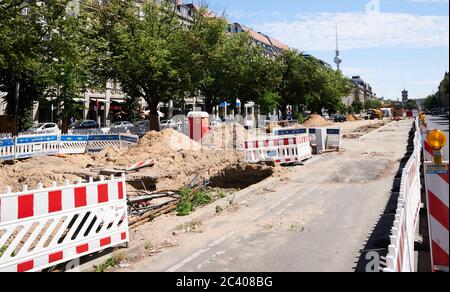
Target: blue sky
(392,44)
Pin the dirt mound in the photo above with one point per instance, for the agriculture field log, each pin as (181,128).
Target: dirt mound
(315,120)
(17,177)
(226,136)
(351,118)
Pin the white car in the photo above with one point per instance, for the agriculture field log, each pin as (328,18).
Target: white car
(45,128)
(169,124)
(123,127)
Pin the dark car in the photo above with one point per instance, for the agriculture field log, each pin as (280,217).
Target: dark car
(340,118)
(84,125)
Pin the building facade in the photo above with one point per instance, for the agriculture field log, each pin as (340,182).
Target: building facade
(272,47)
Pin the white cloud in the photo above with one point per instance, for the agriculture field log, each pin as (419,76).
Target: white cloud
(316,31)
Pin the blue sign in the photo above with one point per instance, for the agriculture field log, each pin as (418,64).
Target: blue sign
(290,132)
(75,138)
(6,142)
(37,139)
(129,139)
(104,138)
(312,131)
(333,131)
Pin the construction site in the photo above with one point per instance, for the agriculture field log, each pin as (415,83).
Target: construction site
(171,178)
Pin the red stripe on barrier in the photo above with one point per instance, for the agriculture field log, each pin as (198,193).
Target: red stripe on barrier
(26,206)
(286,142)
(438,209)
(80,197)
(123,236)
(440,257)
(54,201)
(82,248)
(120,190)
(54,257)
(105,241)
(24,267)
(102,193)
(444,177)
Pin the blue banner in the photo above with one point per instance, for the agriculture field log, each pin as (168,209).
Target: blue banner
(6,142)
(130,139)
(290,132)
(104,138)
(333,131)
(74,138)
(37,139)
(312,131)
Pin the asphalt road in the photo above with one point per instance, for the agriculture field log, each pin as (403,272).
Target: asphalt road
(440,123)
(316,218)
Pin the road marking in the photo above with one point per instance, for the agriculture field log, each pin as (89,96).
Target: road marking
(199,253)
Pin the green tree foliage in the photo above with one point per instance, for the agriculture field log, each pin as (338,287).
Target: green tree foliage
(431,101)
(357,106)
(149,53)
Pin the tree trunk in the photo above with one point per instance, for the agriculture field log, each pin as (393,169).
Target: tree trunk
(154,117)
(209,107)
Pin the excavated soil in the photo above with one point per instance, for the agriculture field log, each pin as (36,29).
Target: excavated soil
(178,160)
(315,120)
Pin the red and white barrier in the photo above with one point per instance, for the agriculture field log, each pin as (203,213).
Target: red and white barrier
(438,215)
(44,227)
(140,165)
(280,149)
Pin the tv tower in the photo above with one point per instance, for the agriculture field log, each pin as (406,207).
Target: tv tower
(337,59)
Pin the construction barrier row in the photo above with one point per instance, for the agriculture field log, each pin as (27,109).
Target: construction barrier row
(280,149)
(45,227)
(26,146)
(401,249)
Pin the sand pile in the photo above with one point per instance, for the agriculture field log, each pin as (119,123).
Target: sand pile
(315,120)
(178,160)
(226,136)
(351,118)
(16,177)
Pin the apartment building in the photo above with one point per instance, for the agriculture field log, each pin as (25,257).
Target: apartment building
(271,46)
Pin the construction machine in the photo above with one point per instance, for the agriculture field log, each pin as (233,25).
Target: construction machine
(397,111)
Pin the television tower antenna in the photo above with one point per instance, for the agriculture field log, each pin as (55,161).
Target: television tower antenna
(337,59)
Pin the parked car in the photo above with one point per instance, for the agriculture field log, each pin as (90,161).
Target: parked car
(123,127)
(84,125)
(340,118)
(143,127)
(45,128)
(169,124)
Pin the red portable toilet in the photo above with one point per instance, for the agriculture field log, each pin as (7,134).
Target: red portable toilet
(198,125)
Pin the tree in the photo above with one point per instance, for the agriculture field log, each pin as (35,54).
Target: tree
(357,105)
(149,53)
(377,104)
(24,29)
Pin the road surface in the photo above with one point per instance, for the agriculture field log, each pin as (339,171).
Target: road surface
(316,218)
(440,123)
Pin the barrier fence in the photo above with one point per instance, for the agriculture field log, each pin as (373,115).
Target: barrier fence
(26,146)
(48,226)
(280,149)
(401,249)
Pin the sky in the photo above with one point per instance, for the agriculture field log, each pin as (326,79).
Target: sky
(391,44)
